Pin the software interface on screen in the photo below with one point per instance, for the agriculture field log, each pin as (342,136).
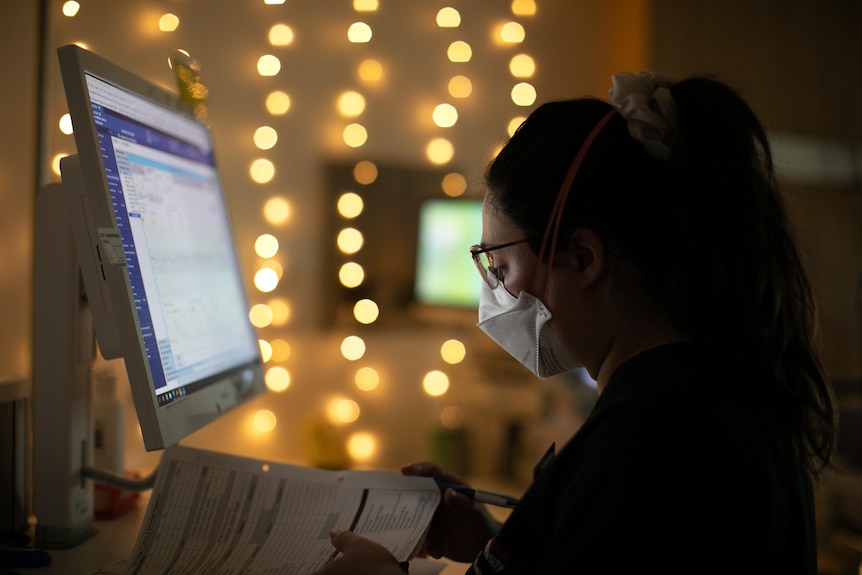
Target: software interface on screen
(176,238)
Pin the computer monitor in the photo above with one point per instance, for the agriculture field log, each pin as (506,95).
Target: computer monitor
(157,255)
(445,275)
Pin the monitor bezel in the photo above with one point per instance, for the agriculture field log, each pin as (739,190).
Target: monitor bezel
(108,287)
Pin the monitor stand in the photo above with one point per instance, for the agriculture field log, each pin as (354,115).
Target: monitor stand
(63,353)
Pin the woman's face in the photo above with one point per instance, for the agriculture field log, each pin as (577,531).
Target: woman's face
(516,265)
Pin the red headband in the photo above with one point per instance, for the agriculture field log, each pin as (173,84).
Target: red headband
(557,211)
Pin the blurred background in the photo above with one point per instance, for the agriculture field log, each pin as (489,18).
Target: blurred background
(352,137)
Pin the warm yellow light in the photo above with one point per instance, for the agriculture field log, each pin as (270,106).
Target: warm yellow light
(365,5)
(366,378)
(522,66)
(280,350)
(266,245)
(365,172)
(350,205)
(277,103)
(523,7)
(265,467)
(71,8)
(514,124)
(454,185)
(523,94)
(351,104)
(512,33)
(262,170)
(264,421)
(448,18)
(273,2)
(452,417)
(439,151)
(260,315)
(359,33)
(453,351)
(349,240)
(265,280)
(370,71)
(281,35)
(340,410)
(268,65)
(265,137)
(459,51)
(276,211)
(277,379)
(352,347)
(168,22)
(265,350)
(445,115)
(366,311)
(275,266)
(351,275)
(435,383)
(55,163)
(361,446)
(460,87)
(281,311)
(355,135)
(66,124)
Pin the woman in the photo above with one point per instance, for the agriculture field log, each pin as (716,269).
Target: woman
(645,239)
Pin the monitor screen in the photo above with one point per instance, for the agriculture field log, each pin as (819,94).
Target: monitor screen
(445,273)
(154,238)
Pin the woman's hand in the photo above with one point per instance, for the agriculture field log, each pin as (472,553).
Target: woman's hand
(460,528)
(360,556)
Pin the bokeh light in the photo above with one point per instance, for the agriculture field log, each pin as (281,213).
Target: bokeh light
(280,350)
(445,115)
(350,205)
(266,245)
(71,8)
(281,35)
(459,51)
(359,33)
(362,446)
(524,94)
(435,383)
(351,104)
(352,347)
(262,170)
(277,103)
(524,7)
(265,137)
(512,33)
(453,351)
(340,410)
(439,151)
(264,421)
(365,172)
(65,124)
(452,417)
(265,350)
(268,65)
(370,71)
(168,22)
(454,184)
(351,275)
(355,135)
(460,87)
(277,379)
(522,66)
(281,311)
(276,210)
(366,311)
(260,315)
(366,378)
(349,240)
(265,280)
(448,18)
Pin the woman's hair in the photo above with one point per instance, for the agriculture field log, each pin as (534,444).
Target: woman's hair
(706,231)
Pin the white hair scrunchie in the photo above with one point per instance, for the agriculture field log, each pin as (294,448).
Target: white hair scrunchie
(646,103)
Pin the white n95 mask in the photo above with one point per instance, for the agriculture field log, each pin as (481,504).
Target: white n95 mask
(519,326)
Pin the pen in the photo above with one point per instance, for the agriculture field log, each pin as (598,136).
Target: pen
(489,497)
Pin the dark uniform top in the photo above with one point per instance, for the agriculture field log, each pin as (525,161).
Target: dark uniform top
(683,466)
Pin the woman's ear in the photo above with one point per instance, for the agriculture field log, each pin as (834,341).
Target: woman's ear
(588,256)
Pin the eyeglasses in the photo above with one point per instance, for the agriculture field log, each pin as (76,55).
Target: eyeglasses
(484,260)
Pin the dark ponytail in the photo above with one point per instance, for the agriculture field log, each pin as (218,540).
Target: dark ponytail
(707,231)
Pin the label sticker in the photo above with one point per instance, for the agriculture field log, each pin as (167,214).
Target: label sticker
(112,245)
